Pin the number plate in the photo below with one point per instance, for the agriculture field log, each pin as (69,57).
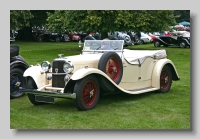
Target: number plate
(44,99)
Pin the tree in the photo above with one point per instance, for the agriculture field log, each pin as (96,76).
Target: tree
(24,20)
(110,20)
(20,19)
(182,15)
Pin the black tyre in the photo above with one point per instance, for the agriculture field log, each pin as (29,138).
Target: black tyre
(66,37)
(16,75)
(31,85)
(183,44)
(157,44)
(141,42)
(165,79)
(58,39)
(83,38)
(40,39)
(87,93)
(111,64)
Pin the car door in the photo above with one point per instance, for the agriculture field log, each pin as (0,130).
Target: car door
(173,40)
(146,68)
(130,72)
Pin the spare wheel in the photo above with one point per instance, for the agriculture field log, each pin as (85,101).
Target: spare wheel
(111,64)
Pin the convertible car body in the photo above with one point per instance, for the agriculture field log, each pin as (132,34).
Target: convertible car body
(102,67)
(179,38)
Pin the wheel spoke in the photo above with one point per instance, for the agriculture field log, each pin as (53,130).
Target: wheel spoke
(89,93)
(164,79)
(112,67)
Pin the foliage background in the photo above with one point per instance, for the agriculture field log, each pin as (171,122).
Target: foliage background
(102,21)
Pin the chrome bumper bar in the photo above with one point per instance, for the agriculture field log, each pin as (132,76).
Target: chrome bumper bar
(50,94)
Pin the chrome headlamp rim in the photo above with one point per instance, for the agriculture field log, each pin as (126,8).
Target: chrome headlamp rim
(70,69)
(45,65)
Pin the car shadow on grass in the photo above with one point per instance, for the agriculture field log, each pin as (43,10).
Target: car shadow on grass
(68,105)
(124,97)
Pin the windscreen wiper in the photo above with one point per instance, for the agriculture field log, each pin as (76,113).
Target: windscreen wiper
(98,48)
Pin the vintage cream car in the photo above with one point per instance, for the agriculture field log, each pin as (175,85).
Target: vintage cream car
(102,67)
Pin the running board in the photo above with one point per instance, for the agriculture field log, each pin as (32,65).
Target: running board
(139,91)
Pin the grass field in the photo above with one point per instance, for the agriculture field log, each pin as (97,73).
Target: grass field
(118,111)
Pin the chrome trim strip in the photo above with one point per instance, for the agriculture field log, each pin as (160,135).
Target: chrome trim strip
(59,73)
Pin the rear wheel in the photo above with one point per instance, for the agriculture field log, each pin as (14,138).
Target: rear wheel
(32,85)
(58,39)
(182,44)
(87,93)
(165,79)
(40,39)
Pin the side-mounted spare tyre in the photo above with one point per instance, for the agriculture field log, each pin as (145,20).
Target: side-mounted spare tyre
(111,64)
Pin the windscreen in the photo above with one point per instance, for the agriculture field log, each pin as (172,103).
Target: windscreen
(103,45)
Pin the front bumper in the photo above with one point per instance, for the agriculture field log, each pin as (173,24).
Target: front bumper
(49,94)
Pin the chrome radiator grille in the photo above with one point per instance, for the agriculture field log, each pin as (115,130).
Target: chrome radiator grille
(58,80)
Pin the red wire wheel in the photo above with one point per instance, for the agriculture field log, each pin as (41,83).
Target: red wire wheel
(165,79)
(111,64)
(87,93)
(113,68)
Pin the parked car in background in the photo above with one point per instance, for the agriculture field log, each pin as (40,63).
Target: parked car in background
(103,66)
(135,38)
(153,36)
(156,33)
(112,36)
(83,35)
(93,36)
(120,36)
(53,36)
(145,38)
(178,38)
(74,37)
(167,33)
(12,39)
(17,67)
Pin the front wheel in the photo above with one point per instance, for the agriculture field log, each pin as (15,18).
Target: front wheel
(87,93)
(141,42)
(32,85)
(165,79)
(157,44)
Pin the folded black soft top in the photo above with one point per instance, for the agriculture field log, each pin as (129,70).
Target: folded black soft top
(14,50)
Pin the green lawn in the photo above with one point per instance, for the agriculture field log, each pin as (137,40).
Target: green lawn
(119,111)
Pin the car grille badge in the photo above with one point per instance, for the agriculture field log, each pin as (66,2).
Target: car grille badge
(91,93)
(56,70)
(166,79)
(17,83)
